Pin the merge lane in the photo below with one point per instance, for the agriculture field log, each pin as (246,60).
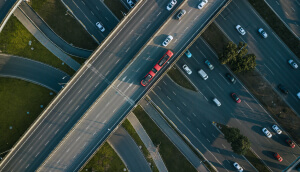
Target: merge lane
(83,90)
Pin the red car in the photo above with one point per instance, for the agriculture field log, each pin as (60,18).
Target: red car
(291,143)
(146,80)
(278,157)
(236,98)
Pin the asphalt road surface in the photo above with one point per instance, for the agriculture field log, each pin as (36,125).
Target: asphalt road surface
(194,114)
(272,54)
(26,69)
(84,88)
(128,151)
(116,102)
(89,12)
(289,12)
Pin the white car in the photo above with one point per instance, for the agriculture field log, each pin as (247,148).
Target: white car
(167,41)
(293,64)
(267,132)
(240,30)
(298,95)
(100,26)
(187,69)
(171,5)
(238,167)
(202,4)
(130,3)
(262,33)
(276,129)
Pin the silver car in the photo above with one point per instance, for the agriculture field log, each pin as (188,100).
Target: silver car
(267,132)
(100,26)
(240,30)
(276,129)
(130,3)
(167,40)
(187,69)
(202,4)
(238,167)
(171,5)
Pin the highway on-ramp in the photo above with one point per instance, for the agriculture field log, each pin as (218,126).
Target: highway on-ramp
(115,103)
(85,87)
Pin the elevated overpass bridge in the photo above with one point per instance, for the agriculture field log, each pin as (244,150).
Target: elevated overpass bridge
(106,88)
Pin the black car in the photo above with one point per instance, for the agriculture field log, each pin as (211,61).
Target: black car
(180,14)
(230,78)
(283,89)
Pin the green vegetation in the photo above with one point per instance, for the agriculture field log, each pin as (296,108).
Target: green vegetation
(240,144)
(129,128)
(258,86)
(180,79)
(235,56)
(172,157)
(62,22)
(17,98)
(116,7)
(276,24)
(253,159)
(105,160)
(14,39)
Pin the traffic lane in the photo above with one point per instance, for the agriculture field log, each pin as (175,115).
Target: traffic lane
(195,17)
(124,97)
(92,9)
(89,133)
(288,11)
(103,12)
(53,125)
(276,59)
(182,108)
(88,21)
(253,113)
(68,98)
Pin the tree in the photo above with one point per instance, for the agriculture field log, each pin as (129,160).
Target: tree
(231,134)
(241,145)
(245,63)
(229,53)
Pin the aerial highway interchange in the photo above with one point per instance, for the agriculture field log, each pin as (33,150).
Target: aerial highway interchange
(108,86)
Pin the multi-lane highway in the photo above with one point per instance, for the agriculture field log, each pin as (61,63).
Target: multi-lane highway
(90,81)
(272,54)
(89,12)
(116,102)
(194,113)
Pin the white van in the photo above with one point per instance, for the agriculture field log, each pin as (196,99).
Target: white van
(217,102)
(203,74)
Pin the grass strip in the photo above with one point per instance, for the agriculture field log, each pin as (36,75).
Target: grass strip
(180,79)
(185,141)
(63,23)
(253,159)
(250,156)
(172,157)
(277,25)
(17,98)
(14,39)
(116,7)
(105,160)
(129,128)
